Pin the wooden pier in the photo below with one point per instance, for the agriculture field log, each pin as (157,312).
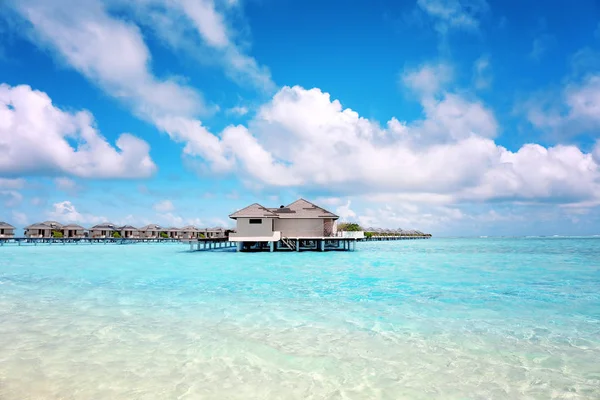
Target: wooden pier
(209,244)
(24,241)
(297,244)
(395,237)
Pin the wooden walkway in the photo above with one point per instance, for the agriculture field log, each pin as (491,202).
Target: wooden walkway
(385,238)
(23,241)
(299,244)
(209,244)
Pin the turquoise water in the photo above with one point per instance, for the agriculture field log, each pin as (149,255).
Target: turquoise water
(441,318)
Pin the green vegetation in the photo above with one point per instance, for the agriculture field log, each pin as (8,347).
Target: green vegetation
(368,235)
(57,234)
(116,235)
(349,227)
(201,236)
(164,235)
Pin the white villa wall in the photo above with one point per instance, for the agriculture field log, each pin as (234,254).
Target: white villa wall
(301,227)
(7,232)
(246,229)
(38,233)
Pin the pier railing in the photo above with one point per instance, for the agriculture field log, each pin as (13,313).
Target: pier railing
(85,240)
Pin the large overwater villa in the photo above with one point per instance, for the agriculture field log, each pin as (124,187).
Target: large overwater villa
(300,225)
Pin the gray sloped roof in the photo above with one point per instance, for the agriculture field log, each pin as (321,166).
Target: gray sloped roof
(105,226)
(151,228)
(53,224)
(5,225)
(189,228)
(302,208)
(73,226)
(44,225)
(128,228)
(252,211)
(173,229)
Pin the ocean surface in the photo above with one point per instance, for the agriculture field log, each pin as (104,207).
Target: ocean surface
(488,318)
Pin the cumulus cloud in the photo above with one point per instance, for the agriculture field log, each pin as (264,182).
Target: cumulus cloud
(37,137)
(575,110)
(428,79)
(65,212)
(111,53)
(304,138)
(164,206)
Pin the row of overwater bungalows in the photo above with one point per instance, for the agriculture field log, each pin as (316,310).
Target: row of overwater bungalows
(53,229)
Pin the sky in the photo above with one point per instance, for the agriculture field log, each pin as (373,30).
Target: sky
(456,117)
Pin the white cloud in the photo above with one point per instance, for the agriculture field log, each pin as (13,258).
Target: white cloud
(454,14)
(36,137)
(84,34)
(111,53)
(328,201)
(303,138)
(108,51)
(482,78)
(238,110)
(573,111)
(164,206)
(428,79)
(408,216)
(169,219)
(65,212)
(17,183)
(175,21)
(345,212)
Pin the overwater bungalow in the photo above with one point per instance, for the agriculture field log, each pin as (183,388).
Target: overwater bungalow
(102,231)
(151,231)
(6,230)
(214,233)
(189,232)
(73,231)
(299,225)
(43,230)
(174,233)
(129,232)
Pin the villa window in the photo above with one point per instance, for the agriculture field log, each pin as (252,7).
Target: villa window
(255,221)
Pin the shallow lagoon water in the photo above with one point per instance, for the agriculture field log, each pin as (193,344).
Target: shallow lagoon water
(442,318)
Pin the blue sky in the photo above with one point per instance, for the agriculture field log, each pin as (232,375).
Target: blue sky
(453,117)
